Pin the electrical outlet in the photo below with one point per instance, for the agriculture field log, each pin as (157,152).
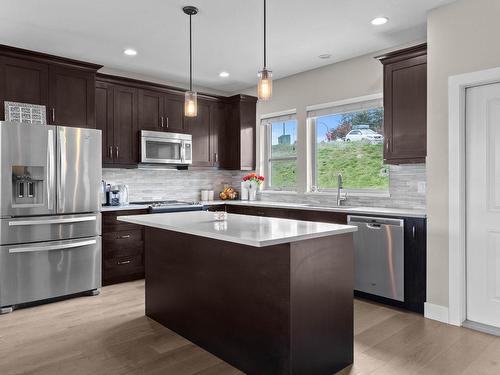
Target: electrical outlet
(421,187)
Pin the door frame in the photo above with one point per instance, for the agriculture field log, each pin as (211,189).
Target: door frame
(457,85)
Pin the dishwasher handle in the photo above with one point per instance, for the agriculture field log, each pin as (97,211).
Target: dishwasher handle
(374,222)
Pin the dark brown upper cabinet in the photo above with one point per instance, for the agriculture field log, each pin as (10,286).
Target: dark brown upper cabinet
(200,129)
(160,111)
(66,87)
(405,105)
(116,116)
(238,150)
(23,81)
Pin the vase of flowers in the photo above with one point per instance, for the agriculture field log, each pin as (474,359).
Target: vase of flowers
(253,182)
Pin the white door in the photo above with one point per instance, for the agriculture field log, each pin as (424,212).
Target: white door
(483,204)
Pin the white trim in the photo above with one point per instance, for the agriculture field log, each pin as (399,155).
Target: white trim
(456,188)
(338,103)
(287,112)
(436,312)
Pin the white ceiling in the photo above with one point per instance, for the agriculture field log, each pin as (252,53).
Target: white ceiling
(227,34)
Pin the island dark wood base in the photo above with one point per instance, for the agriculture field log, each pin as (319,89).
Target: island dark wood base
(283,309)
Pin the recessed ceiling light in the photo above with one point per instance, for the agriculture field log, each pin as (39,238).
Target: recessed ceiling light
(224,74)
(325,56)
(379,21)
(130,52)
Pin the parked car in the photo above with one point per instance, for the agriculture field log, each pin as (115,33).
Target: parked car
(365,135)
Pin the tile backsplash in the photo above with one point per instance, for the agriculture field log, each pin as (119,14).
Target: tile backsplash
(404,192)
(164,184)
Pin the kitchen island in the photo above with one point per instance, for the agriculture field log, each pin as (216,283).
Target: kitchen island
(267,295)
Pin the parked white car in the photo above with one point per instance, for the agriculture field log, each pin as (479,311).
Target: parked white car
(365,135)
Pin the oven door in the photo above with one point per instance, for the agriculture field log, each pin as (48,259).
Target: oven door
(161,150)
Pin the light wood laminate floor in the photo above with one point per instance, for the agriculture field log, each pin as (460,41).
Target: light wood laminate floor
(110,335)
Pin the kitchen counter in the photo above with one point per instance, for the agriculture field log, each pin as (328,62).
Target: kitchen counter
(246,230)
(126,207)
(384,211)
(266,295)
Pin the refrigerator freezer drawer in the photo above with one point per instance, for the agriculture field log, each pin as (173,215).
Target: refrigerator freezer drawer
(34,272)
(48,228)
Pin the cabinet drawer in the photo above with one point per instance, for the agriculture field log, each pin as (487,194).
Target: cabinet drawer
(124,237)
(110,221)
(122,267)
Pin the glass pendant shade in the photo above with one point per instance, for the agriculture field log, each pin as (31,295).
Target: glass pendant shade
(191,104)
(265,86)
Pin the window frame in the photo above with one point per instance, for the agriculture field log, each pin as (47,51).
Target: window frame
(362,104)
(266,125)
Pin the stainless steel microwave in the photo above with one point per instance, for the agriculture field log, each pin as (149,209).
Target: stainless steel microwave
(166,148)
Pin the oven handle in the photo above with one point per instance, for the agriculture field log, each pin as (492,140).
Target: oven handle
(52,221)
(71,245)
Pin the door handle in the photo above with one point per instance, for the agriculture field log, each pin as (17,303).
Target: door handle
(161,122)
(374,226)
(31,249)
(122,262)
(167,122)
(216,157)
(117,151)
(52,221)
(413,231)
(53,110)
(125,237)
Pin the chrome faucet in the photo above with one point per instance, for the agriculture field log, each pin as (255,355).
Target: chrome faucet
(341,197)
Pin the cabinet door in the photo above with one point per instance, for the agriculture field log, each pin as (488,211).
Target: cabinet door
(104,119)
(23,81)
(125,125)
(71,97)
(415,264)
(174,113)
(151,110)
(405,103)
(217,126)
(199,128)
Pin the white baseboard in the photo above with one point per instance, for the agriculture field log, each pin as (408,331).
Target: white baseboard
(436,312)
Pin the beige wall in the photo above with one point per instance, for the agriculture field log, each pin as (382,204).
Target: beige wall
(348,79)
(462,37)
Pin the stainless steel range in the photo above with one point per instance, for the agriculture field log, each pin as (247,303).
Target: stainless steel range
(50,225)
(170,206)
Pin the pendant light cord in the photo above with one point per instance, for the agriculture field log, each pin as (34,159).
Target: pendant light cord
(190,55)
(265,32)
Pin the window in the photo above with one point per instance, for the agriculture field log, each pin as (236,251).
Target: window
(281,152)
(348,139)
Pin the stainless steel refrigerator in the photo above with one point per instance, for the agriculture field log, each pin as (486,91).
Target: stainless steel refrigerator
(50,223)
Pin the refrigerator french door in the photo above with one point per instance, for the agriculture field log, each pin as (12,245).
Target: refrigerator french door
(50,224)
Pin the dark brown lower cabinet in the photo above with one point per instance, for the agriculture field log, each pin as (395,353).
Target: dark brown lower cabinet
(415,250)
(122,248)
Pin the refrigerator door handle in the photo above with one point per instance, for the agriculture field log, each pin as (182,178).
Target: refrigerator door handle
(52,221)
(30,249)
(61,166)
(50,169)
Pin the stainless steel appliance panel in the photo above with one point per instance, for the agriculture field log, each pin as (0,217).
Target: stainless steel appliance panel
(79,170)
(33,272)
(379,256)
(165,148)
(27,177)
(47,228)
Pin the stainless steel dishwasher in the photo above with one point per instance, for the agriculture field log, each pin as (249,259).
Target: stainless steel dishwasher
(379,256)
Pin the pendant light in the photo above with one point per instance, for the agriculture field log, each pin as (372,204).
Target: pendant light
(265,86)
(191,97)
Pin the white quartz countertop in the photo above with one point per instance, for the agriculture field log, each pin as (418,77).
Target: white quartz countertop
(385,211)
(242,229)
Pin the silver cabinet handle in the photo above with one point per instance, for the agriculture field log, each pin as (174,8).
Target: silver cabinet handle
(161,121)
(413,231)
(53,115)
(117,151)
(70,245)
(121,262)
(216,157)
(125,237)
(167,121)
(111,152)
(52,221)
